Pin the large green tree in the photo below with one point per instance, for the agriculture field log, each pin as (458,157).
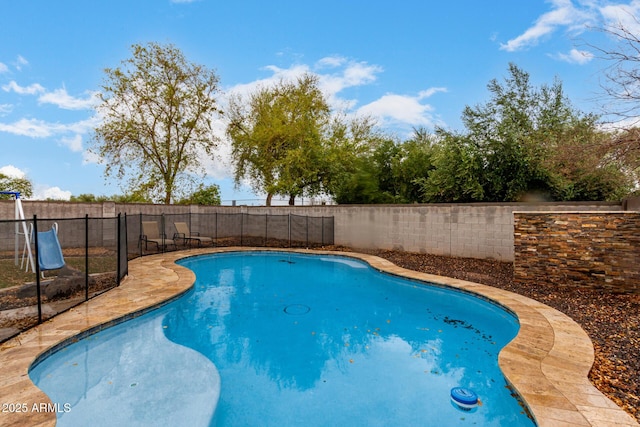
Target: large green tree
(351,174)
(386,170)
(413,163)
(457,171)
(278,137)
(157,111)
(370,180)
(525,141)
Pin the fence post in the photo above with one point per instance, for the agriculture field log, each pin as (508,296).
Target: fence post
(118,251)
(289,225)
(86,257)
(163,237)
(215,233)
(37,263)
(307,231)
(124,234)
(141,233)
(266,228)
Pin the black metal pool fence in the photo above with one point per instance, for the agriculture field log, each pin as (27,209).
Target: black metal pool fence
(95,252)
(227,229)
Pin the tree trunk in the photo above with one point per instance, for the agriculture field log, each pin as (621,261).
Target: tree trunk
(292,200)
(269,196)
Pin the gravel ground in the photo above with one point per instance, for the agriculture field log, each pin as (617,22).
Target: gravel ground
(611,320)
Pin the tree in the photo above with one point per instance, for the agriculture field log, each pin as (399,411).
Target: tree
(205,196)
(385,170)
(135,197)
(157,110)
(22,185)
(371,179)
(363,162)
(457,174)
(413,163)
(512,132)
(584,167)
(525,141)
(88,198)
(622,76)
(278,138)
(621,86)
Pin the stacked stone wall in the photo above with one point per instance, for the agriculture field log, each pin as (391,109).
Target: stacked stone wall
(584,249)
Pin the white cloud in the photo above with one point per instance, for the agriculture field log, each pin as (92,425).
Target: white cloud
(563,15)
(20,62)
(23,90)
(3,68)
(31,127)
(346,73)
(58,97)
(331,62)
(576,56)
(245,89)
(74,143)
(576,16)
(83,126)
(430,92)
(5,109)
(12,172)
(290,73)
(35,128)
(624,15)
(42,192)
(353,74)
(392,109)
(62,99)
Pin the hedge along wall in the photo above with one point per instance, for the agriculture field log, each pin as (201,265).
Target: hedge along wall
(585,249)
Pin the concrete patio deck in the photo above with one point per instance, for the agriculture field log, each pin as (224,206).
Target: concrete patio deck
(547,363)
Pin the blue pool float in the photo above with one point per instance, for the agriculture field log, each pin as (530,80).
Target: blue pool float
(464,398)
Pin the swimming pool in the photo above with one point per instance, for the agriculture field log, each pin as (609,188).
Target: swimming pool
(295,339)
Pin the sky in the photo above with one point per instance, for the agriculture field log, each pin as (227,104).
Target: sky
(407,64)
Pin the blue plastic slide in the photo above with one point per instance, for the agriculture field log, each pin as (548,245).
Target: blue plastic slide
(49,251)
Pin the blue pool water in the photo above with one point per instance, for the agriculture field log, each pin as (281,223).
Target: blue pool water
(280,339)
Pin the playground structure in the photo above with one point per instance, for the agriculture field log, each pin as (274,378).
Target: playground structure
(48,246)
(49,250)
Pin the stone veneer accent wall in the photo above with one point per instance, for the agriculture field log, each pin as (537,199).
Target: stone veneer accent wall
(586,249)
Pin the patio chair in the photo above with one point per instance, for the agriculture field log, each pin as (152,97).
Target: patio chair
(188,236)
(151,234)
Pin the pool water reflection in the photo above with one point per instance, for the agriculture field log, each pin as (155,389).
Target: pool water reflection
(308,340)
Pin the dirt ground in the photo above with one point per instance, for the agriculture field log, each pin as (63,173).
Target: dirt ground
(19,313)
(611,320)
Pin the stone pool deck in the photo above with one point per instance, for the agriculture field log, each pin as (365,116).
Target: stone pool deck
(547,363)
